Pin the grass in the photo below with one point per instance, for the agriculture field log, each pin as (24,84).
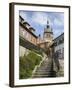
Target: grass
(38,52)
(27,64)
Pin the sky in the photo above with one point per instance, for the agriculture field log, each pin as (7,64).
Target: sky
(38,20)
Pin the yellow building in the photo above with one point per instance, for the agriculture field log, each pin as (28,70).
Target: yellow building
(47,37)
(26,31)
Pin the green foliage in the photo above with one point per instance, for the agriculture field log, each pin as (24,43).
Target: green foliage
(38,52)
(27,64)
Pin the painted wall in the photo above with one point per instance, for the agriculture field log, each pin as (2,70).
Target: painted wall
(22,51)
(25,34)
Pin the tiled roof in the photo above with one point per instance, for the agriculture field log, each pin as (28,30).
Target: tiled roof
(28,29)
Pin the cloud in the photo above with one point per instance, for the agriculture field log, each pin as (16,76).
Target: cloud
(23,14)
(58,22)
(59,19)
(40,18)
(57,32)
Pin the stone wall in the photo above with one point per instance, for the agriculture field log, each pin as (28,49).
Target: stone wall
(23,50)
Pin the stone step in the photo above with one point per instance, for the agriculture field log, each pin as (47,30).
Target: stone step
(44,73)
(49,74)
(44,67)
(44,70)
(40,76)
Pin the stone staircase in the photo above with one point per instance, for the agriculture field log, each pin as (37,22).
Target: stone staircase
(45,69)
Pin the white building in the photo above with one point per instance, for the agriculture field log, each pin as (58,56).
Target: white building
(59,45)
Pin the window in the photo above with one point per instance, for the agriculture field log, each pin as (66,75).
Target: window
(55,44)
(45,35)
(61,41)
(24,33)
(49,35)
(27,35)
(59,53)
(62,52)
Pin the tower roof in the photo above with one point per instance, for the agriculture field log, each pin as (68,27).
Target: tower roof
(48,28)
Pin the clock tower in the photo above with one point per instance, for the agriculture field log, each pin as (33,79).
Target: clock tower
(48,33)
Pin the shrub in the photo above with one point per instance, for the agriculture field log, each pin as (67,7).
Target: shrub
(38,52)
(27,64)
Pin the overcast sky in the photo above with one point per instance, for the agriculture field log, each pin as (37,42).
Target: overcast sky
(38,21)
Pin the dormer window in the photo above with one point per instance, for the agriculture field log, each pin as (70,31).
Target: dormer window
(26,24)
(21,19)
(32,29)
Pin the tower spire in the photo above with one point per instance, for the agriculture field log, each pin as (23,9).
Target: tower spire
(47,23)
(48,34)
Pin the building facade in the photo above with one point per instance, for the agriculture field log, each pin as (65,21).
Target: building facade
(27,38)
(26,31)
(59,45)
(47,37)
(48,33)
